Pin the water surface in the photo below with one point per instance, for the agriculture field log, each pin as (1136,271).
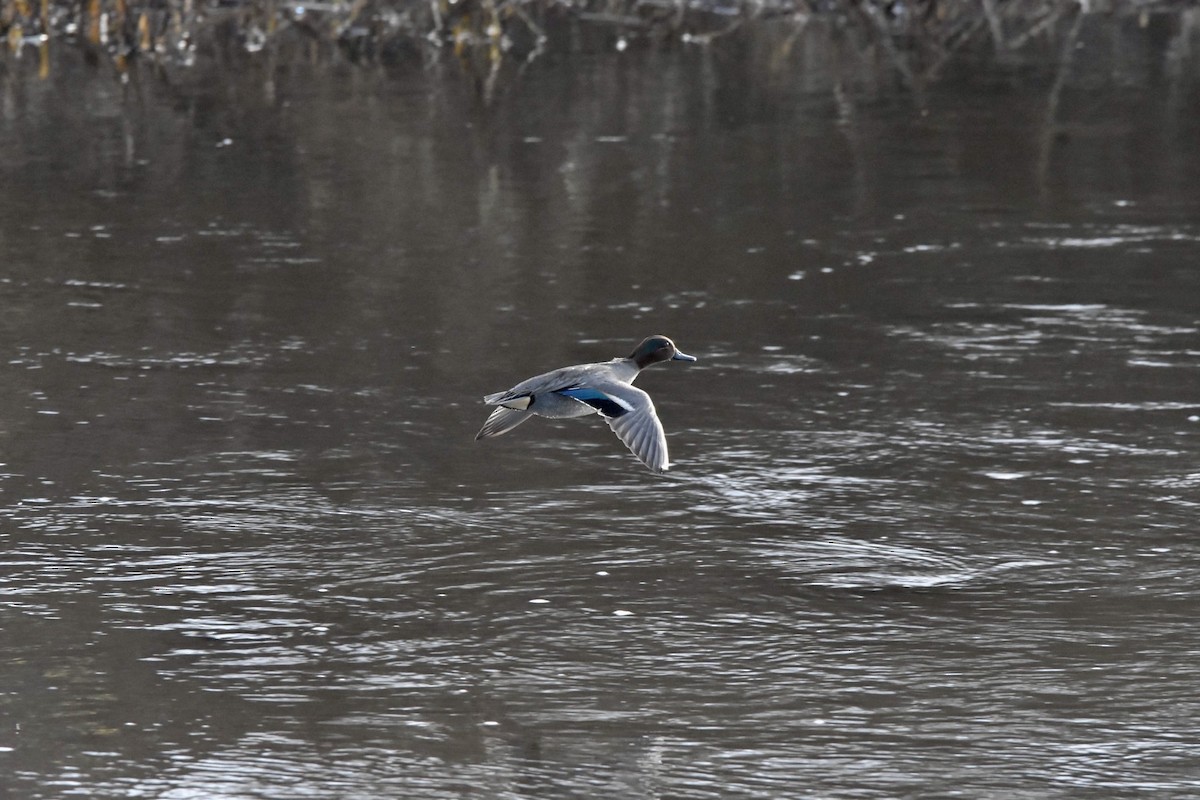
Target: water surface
(930,529)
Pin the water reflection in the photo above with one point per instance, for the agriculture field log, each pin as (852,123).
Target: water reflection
(930,528)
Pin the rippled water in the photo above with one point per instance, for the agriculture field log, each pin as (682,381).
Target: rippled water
(931,526)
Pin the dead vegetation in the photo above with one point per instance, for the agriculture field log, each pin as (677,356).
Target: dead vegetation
(917,39)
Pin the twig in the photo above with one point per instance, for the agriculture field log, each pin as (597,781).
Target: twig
(707,38)
(1048,19)
(1049,127)
(951,48)
(993,20)
(871,12)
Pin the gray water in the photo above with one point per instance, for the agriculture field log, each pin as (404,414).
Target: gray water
(931,526)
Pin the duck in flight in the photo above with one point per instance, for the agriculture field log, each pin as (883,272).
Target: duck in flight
(605,388)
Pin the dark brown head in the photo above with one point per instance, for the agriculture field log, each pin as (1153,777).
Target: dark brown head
(655,349)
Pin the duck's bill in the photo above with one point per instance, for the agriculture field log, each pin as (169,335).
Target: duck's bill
(682,357)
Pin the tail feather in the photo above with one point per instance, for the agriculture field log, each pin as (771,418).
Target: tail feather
(501,421)
(495,399)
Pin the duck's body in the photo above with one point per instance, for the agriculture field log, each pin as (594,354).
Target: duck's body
(604,388)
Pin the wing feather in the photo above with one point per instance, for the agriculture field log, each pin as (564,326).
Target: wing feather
(502,420)
(639,428)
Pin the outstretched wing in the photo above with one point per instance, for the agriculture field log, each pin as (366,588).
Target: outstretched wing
(630,413)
